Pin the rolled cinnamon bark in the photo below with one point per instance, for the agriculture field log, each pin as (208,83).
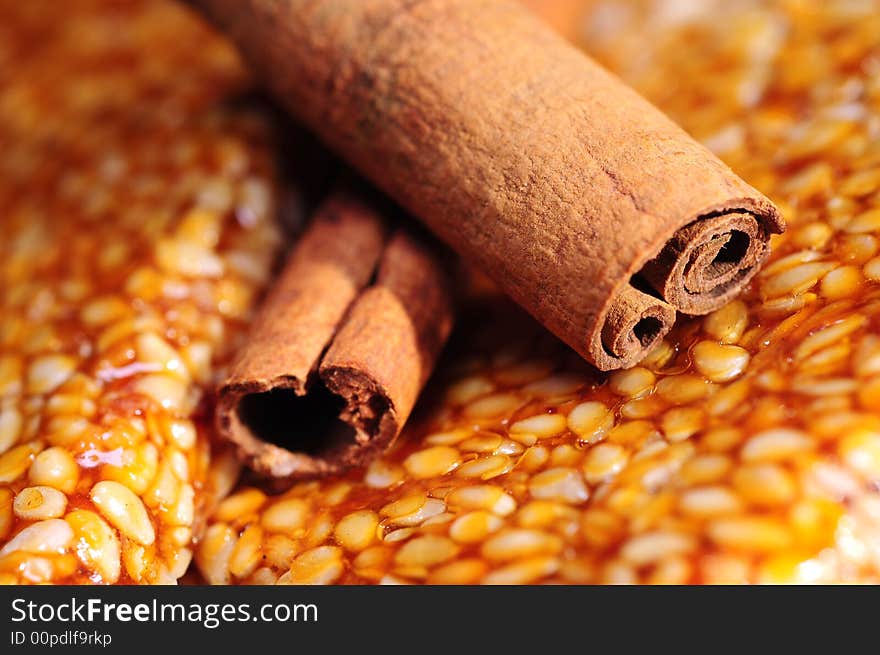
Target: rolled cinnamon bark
(585,203)
(334,364)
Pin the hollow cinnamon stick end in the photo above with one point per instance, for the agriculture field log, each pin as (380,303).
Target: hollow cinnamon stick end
(633,324)
(237,414)
(347,421)
(369,411)
(709,261)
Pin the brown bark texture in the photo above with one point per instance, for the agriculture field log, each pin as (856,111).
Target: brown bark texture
(341,347)
(584,202)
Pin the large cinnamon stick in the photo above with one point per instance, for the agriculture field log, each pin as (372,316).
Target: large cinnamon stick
(334,364)
(585,203)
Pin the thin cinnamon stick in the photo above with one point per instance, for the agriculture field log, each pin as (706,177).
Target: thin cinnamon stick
(334,364)
(585,203)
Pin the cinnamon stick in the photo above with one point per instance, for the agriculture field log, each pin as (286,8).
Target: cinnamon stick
(334,363)
(584,202)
